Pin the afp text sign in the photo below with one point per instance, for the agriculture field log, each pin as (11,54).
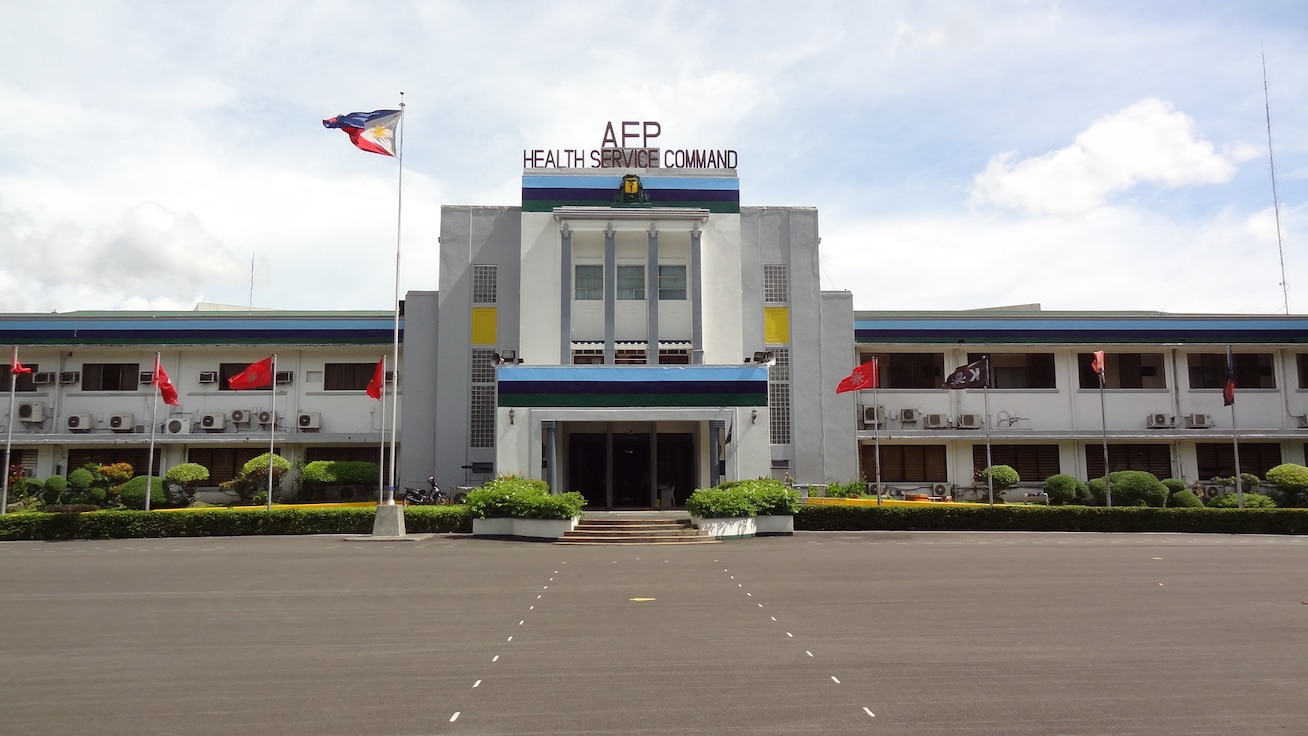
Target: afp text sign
(629,145)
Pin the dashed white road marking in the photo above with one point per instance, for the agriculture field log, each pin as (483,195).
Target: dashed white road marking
(496,658)
(477,683)
(833,679)
(454,717)
(869,711)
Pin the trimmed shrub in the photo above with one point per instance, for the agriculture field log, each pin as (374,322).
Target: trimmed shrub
(1185,499)
(848,489)
(1130,488)
(81,479)
(1065,489)
(1004,476)
(56,483)
(132,493)
(1251,501)
(353,472)
(721,503)
(1291,482)
(116,473)
(509,496)
(181,482)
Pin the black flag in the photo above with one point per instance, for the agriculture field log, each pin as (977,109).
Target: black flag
(972,375)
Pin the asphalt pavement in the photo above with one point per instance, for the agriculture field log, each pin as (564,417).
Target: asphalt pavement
(831,633)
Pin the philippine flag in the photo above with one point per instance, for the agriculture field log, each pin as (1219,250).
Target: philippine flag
(373,132)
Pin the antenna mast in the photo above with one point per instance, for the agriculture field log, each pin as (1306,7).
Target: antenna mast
(1276,204)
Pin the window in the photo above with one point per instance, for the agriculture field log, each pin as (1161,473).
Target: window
(908,370)
(672,283)
(349,376)
(776,285)
(481,400)
(138,458)
(1301,360)
(227,370)
(1123,370)
(111,376)
(669,356)
(224,463)
(589,283)
(1156,459)
(25,380)
(1216,459)
(483,284)
(1033,463)
(629,357)
(1019,370)
(588,357)
(905,463)
(779,398)
(1252,370)
(631,283)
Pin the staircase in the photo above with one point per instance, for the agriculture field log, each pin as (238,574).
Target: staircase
(597,530)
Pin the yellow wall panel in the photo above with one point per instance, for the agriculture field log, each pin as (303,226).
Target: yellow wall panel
(776,325)
(485,326)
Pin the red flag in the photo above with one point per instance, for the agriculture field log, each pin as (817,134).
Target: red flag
(256,375)
(864,376)
(16,367)
(166,388)
(1097,365)
(378,380)
(1228,390)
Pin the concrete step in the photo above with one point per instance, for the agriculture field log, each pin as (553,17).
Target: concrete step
(599,531)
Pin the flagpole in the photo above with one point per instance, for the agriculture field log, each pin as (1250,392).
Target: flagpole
(876,371)
(1103,423)
(990,465)
(381,456)
(154,410)
(9,436)
(1228,395)
(272,429)
(395,348)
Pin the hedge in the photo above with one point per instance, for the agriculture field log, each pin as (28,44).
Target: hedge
(958,517)
(221,522)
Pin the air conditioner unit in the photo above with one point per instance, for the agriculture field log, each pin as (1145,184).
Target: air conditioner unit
(70,376)
(941,489)
(1159,421)
(1198,421)
(208,376)
(908,416)
(177,425)
(1211,490)
(145,378)
(266,417)
(122,422)
(213,421)
(1303,421)
(43,378)
(971,421)
(874,415)
(309,421)
(78,422)
(284,376)
(241,417)
(30,411)
(936,421)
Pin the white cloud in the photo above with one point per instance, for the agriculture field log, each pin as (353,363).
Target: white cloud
(1149,141)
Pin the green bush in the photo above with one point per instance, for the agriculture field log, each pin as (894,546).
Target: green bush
(1185,499)
(1251,501)
(181,482)
(132,493)
(1064,489)
(1131,488)
(848,489)
(81,479)
(1004,476)
(721,503)
(348,472)
(1291,483)
(520,498)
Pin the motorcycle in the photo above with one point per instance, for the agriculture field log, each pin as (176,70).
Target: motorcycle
(432,496)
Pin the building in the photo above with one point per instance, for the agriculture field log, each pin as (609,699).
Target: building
(634,333)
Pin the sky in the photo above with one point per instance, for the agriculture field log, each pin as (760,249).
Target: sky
(962,155)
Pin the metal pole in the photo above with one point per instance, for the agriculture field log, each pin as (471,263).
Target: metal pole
(1235,447)
(154,410)
(9,439)
(876,426)
(381,456)
(1103,420)
(990,464)
(272,428)
(395,387)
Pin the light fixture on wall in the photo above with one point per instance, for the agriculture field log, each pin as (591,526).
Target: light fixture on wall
(764,357)
(512,414)
(753,416)
(505,357)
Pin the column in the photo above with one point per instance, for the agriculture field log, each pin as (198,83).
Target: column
(696,300)
(652,297)
(551,430)
(715,447)
(565,295)
(610,292)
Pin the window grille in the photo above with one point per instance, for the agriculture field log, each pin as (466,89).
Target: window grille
(672,283)
(631,283)
(779,398)
(589,283)
(776,284)
(484,284)
(481,400)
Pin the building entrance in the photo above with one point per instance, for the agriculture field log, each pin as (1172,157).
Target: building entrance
(631,470)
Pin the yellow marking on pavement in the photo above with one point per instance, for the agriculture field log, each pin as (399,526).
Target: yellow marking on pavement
(641,600)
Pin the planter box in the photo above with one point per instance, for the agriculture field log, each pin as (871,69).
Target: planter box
(524,528)
(777,525)
(728,528)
